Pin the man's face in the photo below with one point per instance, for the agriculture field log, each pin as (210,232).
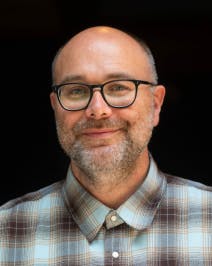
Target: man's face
(102,139)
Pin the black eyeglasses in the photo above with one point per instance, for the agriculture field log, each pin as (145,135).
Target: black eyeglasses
(119,93)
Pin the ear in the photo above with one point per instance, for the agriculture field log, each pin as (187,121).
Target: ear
(158,94)
(53,100)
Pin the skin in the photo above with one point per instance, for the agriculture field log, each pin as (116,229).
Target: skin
(94,56)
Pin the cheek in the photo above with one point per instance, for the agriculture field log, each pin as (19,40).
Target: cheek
(67,119)
(139,118)
(134,116)
(133,122)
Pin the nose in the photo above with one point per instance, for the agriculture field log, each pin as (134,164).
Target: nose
(98,108)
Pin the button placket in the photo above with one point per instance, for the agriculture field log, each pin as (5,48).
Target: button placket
(113,246)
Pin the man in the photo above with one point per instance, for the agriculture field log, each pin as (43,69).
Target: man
(115,206)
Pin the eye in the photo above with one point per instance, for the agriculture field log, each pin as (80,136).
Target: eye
(117,89)
(74,91)
(77,91)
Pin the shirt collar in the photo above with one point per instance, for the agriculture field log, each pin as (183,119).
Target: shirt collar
(138,211)
(88,213)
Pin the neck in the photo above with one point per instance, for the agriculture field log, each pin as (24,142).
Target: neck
(113,194)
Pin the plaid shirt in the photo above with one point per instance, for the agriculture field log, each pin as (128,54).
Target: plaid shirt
(167,221)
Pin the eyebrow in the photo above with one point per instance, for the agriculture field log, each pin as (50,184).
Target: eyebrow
(82,78)
(71,78)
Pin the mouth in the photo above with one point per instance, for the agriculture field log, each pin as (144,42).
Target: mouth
(102,133)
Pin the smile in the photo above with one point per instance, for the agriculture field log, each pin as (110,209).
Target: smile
(100,133)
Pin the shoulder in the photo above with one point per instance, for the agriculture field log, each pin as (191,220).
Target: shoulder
(188,184)
(186,205)
(188,193)
(32,203)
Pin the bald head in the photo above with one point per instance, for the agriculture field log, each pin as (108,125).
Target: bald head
(102,41)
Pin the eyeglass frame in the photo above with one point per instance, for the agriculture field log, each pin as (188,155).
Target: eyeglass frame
(91,87)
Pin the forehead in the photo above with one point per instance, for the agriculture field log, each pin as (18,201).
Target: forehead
(101,53)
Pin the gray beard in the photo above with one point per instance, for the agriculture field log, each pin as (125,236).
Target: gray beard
(110,164)
(106,165)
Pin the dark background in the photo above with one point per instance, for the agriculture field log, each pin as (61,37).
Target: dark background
(179,34)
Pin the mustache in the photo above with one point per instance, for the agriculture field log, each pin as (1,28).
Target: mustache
(108,123)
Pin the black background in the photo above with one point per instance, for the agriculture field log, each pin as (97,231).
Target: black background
(179,34)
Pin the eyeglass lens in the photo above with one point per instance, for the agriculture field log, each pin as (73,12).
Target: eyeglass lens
(76,96)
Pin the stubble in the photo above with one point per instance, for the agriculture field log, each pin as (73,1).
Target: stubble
(105,163)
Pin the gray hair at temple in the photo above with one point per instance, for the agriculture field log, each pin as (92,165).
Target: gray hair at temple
(149,54)
(140,41)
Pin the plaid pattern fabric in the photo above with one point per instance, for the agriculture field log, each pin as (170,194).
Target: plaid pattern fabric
(167,221)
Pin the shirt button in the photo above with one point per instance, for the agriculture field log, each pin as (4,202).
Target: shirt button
(113,218)
(115,254)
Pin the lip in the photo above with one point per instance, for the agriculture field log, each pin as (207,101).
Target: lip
(99,133)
